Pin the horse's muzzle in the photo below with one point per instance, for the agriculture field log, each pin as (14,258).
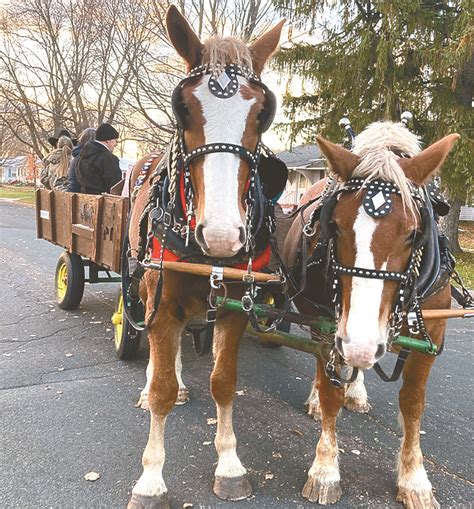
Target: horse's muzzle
(220,242)
(360,355)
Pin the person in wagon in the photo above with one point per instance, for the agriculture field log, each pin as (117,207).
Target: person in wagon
(86,136)
(97,169)
(54,174)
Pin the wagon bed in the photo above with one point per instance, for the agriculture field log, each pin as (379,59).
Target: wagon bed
(92,226)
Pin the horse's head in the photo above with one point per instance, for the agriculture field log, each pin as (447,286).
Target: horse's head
(221,109)
(376,230)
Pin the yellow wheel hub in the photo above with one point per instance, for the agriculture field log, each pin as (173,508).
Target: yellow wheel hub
(117,320)
(61,282)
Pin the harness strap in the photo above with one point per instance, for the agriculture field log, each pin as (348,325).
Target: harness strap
(402,357)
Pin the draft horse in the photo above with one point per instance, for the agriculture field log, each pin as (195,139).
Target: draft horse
(369,236)
(200,201)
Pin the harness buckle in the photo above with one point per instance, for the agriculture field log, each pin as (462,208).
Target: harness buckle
(216,277)
(247,303)
(413,324)
(167,217)
(309,230)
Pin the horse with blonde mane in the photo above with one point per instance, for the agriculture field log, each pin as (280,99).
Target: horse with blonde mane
(207,189)
(371,233)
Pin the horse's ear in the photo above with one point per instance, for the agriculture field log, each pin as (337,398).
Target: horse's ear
(343,162)
(422,167)
(183,38)
(264,46)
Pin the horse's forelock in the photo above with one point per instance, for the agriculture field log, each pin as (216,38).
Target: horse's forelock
(221,51)
(378,146)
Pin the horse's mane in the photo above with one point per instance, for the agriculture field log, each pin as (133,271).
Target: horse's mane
(221,51)
(378,145)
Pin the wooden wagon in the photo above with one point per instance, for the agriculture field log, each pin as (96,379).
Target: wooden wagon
(90,228)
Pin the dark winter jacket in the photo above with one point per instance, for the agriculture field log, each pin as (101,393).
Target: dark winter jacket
(97,169)
(73,185)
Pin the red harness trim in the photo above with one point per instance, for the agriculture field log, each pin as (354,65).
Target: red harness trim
(259,263)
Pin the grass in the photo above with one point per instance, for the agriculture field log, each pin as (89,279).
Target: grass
(21,194)
(465,260)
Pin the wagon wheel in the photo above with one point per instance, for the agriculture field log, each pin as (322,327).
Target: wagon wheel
(278,301)
(127,339)
(69,280)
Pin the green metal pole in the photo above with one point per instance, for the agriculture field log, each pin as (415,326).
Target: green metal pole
(324,325)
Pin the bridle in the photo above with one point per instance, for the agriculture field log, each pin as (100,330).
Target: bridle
(223,87)
(377,202)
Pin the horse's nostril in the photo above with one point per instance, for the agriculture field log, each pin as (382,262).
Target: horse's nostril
(199,235)
(242,235)
(381,349)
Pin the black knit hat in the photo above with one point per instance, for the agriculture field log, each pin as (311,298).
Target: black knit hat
(106,132)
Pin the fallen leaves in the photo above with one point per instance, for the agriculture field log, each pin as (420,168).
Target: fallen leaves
(297,432)
(92,476)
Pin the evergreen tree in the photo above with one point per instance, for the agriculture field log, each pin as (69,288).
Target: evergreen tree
(377,58)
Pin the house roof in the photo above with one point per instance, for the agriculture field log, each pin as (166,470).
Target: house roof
(302,155)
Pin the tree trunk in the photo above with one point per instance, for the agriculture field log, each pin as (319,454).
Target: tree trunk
(450,225)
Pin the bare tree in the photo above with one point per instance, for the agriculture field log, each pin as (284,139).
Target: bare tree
(77,63)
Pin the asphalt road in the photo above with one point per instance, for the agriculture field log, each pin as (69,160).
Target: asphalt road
(67,408)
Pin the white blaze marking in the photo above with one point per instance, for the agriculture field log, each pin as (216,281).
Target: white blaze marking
(363,320)
(226,120)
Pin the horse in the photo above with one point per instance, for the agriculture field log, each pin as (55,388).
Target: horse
(208,191)
(373,221)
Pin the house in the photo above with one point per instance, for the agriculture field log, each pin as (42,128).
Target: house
(11,169)
(305,167)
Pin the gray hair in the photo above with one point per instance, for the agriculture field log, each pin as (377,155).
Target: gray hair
(87,135)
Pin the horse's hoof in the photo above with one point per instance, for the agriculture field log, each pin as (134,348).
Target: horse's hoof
(232,488)
(145,502)
(143,402)
(412,499)
(359,405)
(183,396)
(323,492)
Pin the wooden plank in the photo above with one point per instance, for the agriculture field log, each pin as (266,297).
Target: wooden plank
(84,224)
(62,206)
(52,216)
(82,231)
(122,225)
(71,221)
(97,230)
(39,225)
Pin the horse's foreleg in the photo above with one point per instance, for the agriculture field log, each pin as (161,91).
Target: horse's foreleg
(414,487)
(231,482)
(323,483)
(150,490)
(183,393)
(312,403)
(355,398)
